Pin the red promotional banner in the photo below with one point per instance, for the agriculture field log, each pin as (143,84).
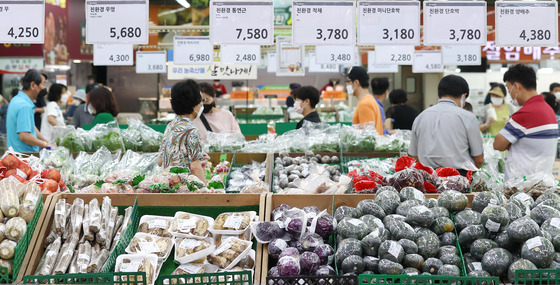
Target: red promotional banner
(56,34)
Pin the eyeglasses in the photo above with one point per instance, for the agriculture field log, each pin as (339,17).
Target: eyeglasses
(206,100)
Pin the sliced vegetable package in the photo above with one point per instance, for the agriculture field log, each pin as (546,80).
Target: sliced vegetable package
(193,250)
(138,263)
(233,223)
(231,252)
(151,244)
(191,225)
(155,225)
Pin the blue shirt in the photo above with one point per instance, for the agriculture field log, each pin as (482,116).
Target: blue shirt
(20,119)
(382,111)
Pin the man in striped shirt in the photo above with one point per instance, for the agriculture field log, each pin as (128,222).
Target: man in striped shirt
(532,132)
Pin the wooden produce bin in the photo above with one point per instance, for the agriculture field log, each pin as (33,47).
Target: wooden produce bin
(241,159)
(157,204)
(296,200)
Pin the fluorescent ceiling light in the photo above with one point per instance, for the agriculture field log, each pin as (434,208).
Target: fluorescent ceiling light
(77,61)
(184,3)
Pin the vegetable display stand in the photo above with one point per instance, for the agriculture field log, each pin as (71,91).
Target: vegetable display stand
(136,278)
(22,249)
(537,276)
(322,202)
(247,159)
(352,200)
(229,278)
(427,279)
(313,280)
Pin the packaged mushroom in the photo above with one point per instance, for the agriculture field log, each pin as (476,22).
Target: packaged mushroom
(233,223)
(231,252)
(193,268)
(193,250)
(190,225)
(150,244)
(219,239)
(138,263)
(155,225)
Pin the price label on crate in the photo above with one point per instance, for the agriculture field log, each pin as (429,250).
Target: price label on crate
(321,67)
(22,22)
(117,21)
(526,23)
(115,54)
(400,55)
(380,68)
(151,62)
(323,23)
(427,62)
(242,22)
(240,54)
(335,54)
(193,50)
(388,22)
(454,22)
(461,55)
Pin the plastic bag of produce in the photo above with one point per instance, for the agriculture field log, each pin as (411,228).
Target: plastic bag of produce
(138,164)
(75,140)
(390,143)
(358,138)
(9,203)
(48,261)
(149,138)
(108,135)
(534,184)
(55,158)
(322,137)
(225,142)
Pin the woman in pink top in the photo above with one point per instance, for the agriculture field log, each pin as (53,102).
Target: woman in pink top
(213,119)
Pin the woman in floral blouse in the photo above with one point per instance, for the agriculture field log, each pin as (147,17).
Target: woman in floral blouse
(181,145)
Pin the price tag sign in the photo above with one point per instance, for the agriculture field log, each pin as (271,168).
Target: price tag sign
(116,54)
(461,55)
(117,21)
(321,67)
(240,54)
(193,50)
(380,68)
(323,23)
(335,54)
(427,62)
(242,22)
(454,22)
(388,22)
(400,55)
(22,22)
(151,62)
(272,62)
(526,23)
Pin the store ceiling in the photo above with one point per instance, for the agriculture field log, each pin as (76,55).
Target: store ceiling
(173,2)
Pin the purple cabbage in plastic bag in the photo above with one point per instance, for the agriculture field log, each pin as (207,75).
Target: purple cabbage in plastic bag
(278,213)
(276,247)
(325,270)
(267,231)
(325,253)
(310,241)
(291,252)
(273,272)
(309,263)
(326,225)
(288,266)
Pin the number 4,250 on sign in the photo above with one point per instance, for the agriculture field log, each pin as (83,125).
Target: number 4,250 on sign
(22,21)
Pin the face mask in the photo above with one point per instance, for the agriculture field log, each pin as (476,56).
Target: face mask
(208,107)
(513,101)
(76,103)
(557,95)
(200,111)
(297,107)
(91,110)
(349,89)
(497,101)
(463,98)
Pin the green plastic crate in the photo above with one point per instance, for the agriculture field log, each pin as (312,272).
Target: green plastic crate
(225,278)
(537,276)
(116,278)
(125,239)
(427,279)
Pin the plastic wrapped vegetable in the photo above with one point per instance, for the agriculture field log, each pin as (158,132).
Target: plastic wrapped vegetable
(94,216)
(15,228)
(288,266)
(7,249)
(97,261)
(108,135)
(138,263)
(84,257)
(31,194)
(9,203)
(60,216)
(77,215)
(2,231)
(267,231)
(66,254)
(358,139)
(122,229)
(48,261)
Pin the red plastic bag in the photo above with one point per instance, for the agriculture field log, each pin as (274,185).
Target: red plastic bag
(429,187)
(421,166)
(447,171)
(365,185)
(404,162)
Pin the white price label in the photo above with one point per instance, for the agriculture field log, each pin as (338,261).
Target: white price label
(321,67)
(271,67)
(388,22)
(148,247)
(534,242)
(477,265)
(335,54)
(115,54)
(185,225)
(401,55)
(233,222)
(380,68)
(151,62)
(117,21)
(461,55)
(193,50)
(516,23)
(130,267)
(454,22)
(555,222)
(427,62)
(189,243)
(492,226)
(323,23)
(158,224)
(22,22)
(242,22)
(240,54)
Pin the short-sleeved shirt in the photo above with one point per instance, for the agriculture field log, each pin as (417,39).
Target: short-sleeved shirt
(52,109)
(367,111)
(181,144)
(533,134)
(382,111)
(445,135)
(402,116)
(20,119)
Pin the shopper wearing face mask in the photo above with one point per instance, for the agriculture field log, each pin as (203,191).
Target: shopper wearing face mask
(497,113)
(82,115)
(181,145)
(78,99)
(213,119)
(446,135)
(22,133)
(306,98)
(53,113)
(554,88)
(531,134)
(103,105)
(367,110)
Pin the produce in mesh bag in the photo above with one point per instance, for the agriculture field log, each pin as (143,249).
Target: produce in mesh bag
(46,265)
(233,221)
(7,249)
(150,244)
(9,204)
(138,263)
(228,254)
(288,266)
(9,264)
(155,225)
(84,257)
(190,224)
(66,254)
(15,228)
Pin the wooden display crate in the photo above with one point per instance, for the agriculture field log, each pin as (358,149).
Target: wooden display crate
(171,202)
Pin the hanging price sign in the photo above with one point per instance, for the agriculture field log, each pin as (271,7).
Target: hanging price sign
(335,54)
(240,54)
(151,62)
(454,22)
(323,23)
(388,22)
(400,55)
(380,68)
(461,55)
(516,23)
(242,22)
(427,62)
(321,67)
(192,50)
(22,22)
(115,54)
(117,21)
